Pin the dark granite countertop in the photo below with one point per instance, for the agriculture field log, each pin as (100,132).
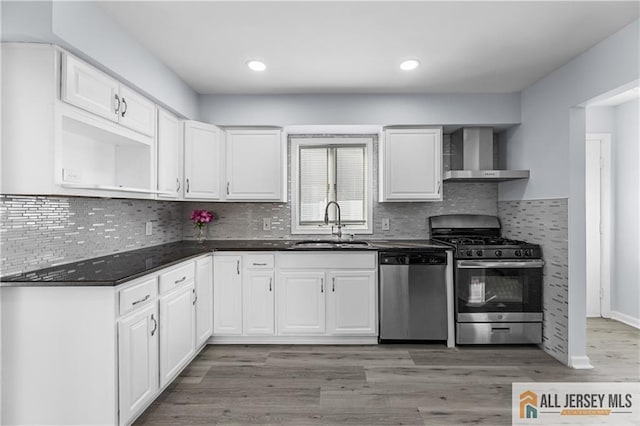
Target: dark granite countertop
(118,268)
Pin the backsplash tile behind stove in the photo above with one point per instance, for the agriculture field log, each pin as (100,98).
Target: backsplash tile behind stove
(545,222)
(37,231)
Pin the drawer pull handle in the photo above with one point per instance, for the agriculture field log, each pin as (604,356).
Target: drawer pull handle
(500,329)
(259,264)
(155,325)
(180,280)
(144,299)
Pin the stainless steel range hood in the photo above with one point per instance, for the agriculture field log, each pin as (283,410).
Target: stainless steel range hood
(474,157)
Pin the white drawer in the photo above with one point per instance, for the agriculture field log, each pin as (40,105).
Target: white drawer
(258,261)
(338,259)
(138,294)
(178,276)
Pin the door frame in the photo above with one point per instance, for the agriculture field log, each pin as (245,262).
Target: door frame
(605,220)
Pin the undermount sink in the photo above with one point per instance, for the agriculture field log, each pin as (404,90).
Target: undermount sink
(330,244)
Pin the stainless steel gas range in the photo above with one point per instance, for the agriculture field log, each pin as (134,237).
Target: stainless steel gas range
(498,281)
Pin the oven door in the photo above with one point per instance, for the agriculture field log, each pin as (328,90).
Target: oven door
(499,290)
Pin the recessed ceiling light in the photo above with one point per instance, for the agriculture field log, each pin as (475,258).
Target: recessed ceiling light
(410,64)
(256,65)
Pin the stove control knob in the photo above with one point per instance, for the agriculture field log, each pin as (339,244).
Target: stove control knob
(518,253)
(479,253)
(469,253)
(527,252)
(498,253)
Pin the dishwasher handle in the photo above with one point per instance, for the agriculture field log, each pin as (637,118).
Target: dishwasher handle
(411,258)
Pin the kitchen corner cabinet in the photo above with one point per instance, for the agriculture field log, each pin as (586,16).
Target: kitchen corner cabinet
(110,351)
(170,155)
(203,157)
(255,169)
(411,164)
(79,146)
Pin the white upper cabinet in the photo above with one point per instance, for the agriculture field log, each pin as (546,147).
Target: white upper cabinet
(254,168)
(202,161)
(169,151)
(411,164)
(88,88)
(60,131)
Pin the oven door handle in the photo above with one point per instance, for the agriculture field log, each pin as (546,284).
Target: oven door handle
(475,264)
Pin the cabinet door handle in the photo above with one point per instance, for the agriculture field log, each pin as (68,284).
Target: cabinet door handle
(238,267)
(195,296)
(321,285)
(333,284)
(270,282)
(116,107)
(178,185)
(155,325)
(227,188)
(180,280)
(439,186)
(124,107)
(144,299)
(187,184)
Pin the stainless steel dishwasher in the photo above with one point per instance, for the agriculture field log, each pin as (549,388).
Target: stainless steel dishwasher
(413,295)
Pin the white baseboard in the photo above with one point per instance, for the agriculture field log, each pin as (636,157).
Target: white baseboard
(580,362)
(627,319)
(294,340)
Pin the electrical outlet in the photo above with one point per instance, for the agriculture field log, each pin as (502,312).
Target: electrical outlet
(148,228)
(266,224)
(385,224)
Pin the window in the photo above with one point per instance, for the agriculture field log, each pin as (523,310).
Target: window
(331,168)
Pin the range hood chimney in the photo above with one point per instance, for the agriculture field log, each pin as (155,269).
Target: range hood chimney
(474,157)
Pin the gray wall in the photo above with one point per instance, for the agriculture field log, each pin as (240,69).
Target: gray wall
(452,109)
(550,142)
(626,213)
(38,232)
(83,28)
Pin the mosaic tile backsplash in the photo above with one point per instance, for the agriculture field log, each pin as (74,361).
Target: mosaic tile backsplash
(545,222)
(38,232)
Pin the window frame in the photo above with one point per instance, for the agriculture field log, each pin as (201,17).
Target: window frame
(322,140)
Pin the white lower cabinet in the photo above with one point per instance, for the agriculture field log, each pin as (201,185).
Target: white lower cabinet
(204,300)
(351,302)
(327,293)
(138,360)
(177,331)
(112,348)
(257,302)
(301,302)
(227,294)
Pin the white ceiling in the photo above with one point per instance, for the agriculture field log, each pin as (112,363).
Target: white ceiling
(356,46)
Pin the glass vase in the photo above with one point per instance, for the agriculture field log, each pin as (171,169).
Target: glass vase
(200,234)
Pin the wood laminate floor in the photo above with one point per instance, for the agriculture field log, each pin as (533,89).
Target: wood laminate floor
(378,384)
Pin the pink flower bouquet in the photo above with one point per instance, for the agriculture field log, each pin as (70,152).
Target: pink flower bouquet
(201,217)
